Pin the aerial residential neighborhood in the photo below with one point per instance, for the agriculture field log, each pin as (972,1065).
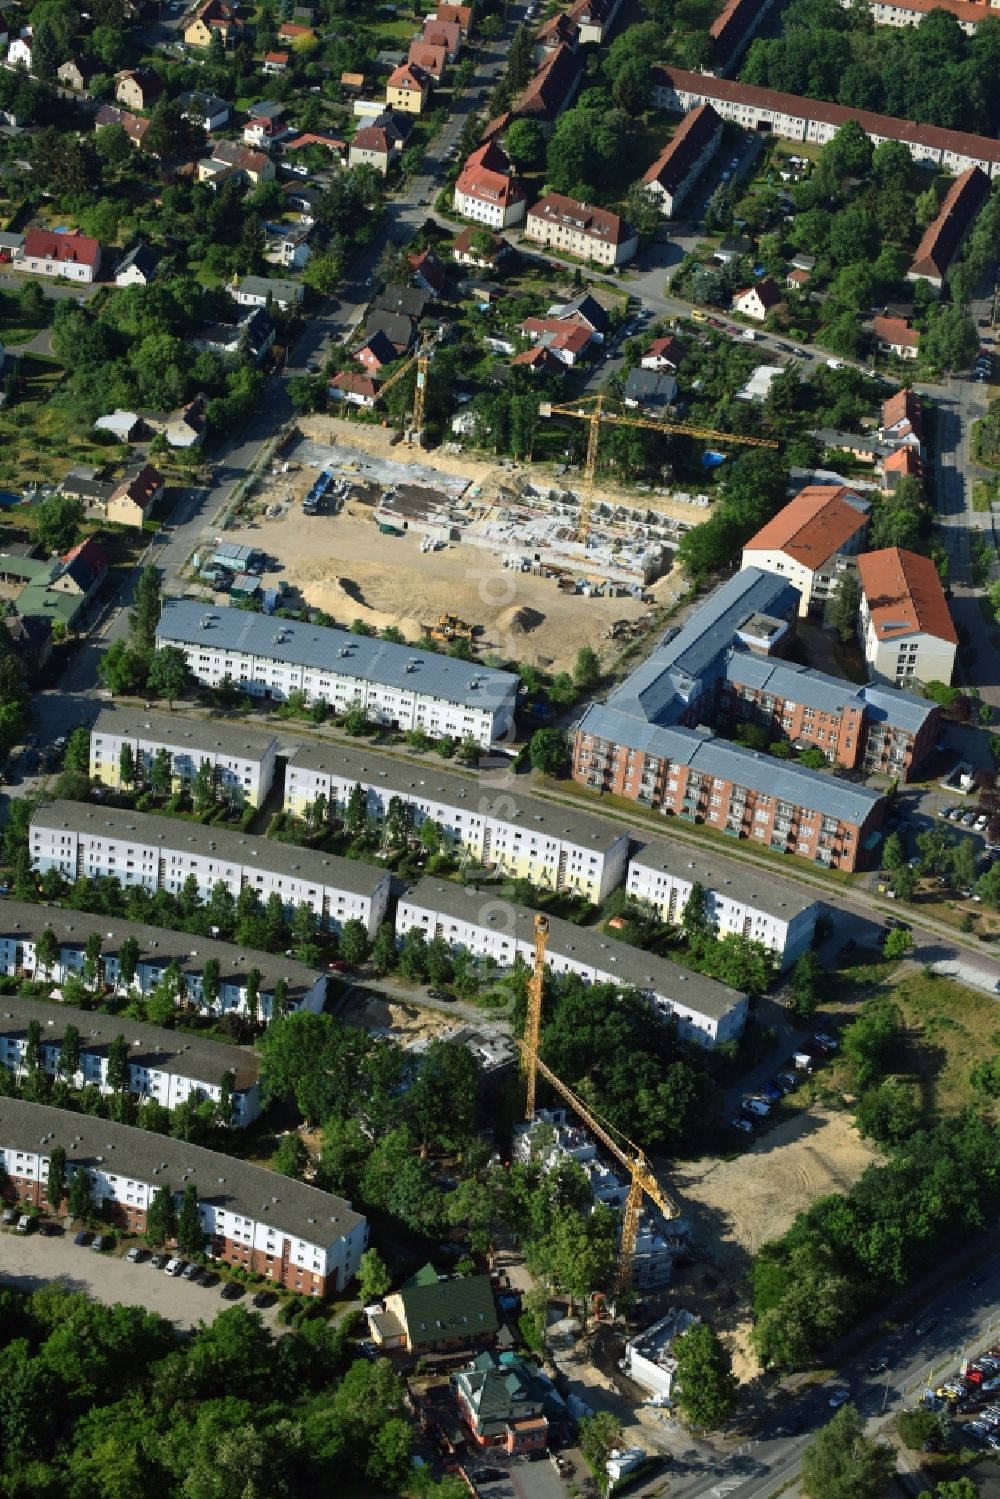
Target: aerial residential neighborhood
(499,748)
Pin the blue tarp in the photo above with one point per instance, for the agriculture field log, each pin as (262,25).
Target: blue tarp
(712,460)
(8,500)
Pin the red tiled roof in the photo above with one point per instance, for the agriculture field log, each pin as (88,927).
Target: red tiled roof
(278,57)
(728,90)
(460,13)
(732,24)
(896,330)
(409,77)
(559,28)
(664,348)
(488,175)
(463,241)
(679,155)
(558,333)
(90,553)
(598,223)
(905,461)
(537,358)
(446,34)
(290,30)
(68,249)
(372,138)
(811,527)
(798,278)
(904,595)
(142,488)
(942,238)
(767,290)
(360,385)
(975,11)
(903,407)
(551,86)
(429,58)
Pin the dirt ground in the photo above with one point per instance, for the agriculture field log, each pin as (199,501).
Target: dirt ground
(406,1022)
(736,1205)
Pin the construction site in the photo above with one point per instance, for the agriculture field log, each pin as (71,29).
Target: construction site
(352,522)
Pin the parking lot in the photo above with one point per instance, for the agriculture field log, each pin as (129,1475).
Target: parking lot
(31,1260)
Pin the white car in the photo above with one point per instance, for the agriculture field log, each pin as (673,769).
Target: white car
(174,1266)
(839,1398)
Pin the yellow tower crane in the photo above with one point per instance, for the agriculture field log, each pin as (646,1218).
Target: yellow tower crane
(642,1182)
(422,360)
(590,409)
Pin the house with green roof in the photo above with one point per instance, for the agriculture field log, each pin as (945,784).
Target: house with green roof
(427,1314)
(503,1403)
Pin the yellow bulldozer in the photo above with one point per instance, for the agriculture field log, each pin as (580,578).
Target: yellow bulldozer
(450,627)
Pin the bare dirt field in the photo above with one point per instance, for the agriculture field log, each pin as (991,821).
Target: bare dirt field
(737,1205)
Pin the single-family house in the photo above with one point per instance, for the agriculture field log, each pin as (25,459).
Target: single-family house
(730,246)
(292,34)
(78,71)
(355,389)
(460,14)
(645,390)
(798,280)
(900,463)
(255,331)
(429,59)
(276,63)
(139,266)
(566,340)
(31,639)
(379,143)
(83,570)
(429,273)
(134,125)
(207,110)
(185,428)
(401,331)
(444,34)
(19,52)
(264,131)
(663,355)
(902,423)
(218,16)
(758,300)
(123,426)
(258,291)
(288,245)
(376,352)
(537,361)
(73,255)
(138,88)
(411,301)
(502,1403)
(584,309)
(895,336)
(408,89)
(136,497)
(479,247)
(594,18)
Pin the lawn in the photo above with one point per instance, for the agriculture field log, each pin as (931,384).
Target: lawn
(40,439)
(15,327)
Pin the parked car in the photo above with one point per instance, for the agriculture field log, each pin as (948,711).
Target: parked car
(232,1291)
(822,1039)
(787,1082)
(136,1255)
(50,1230)
(743,1125)
(10,1216)
(264,1299)
(158,1261)
(772,1092)
(756,1106)
(926,1326)
(839,1398)
(82,1239)
(190,1272)
(102,1242)
(878,1365)
(25,1224)
(173,1266)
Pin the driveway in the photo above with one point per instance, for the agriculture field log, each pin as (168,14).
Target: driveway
(30,1261)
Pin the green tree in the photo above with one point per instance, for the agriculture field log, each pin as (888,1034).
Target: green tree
(951,340)
(126,766)
(844,605)
(384,949)
(169,676)
(68,1063)
(525,145)
(76,757)
(374,1280)
(46,951)
(894,854)
(190,1234)
(161,1218)
(441,1102)
(806,977)
(57,522)
(843,1463)
(587,667)
(888,1113)
(204,790)
(146,610)
(897,943)
(707,1393)
(211,979)
(600,1434)
(55,1184)
(117,1069)
(79,1200)
(353,942)
(548,750)
(904,882)
(128,961)
(694,917)
(413,956)
(291,1157)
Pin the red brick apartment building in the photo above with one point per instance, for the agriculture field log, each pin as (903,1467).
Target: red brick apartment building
(295,1235)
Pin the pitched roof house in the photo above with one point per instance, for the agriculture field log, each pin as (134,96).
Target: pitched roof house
(358,390)
(901,419)
(503,1403)
(663,354)
(487,190)
(807,541)
(895,335)
(906,626)
(551,90)
(758,300)
(138,88)
(136,496)
(77,71)
(408,89)
(430,59)
(45,253)
(139,266)
(683,158)
(589,233)
(943,238)
(427,1314)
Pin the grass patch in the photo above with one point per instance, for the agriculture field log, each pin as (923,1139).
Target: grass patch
(983,493)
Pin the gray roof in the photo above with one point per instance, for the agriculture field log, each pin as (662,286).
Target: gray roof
(169,834)
(904,710)
(797,684)
(158,945)
(819,791)
(152,1046)
(624,965)
(731,878)
(227,1183)
(859,442)
(279,290)
(657,690)
(411,781)
(650,388)
(197,734)
(337,651)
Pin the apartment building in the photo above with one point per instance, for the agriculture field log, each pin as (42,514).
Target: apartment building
(295,1236)
(684,158)
(136,848)
(739,899)
(796,118)
(520,836)
(550,1137)
(907,630)
(242,761)
(733,30)
(693,775)
(707,1013)
(155,950)
(163,1066)
(394,684)
(945,235)
(810,541)
(902,421)
(969,14)
(591,234)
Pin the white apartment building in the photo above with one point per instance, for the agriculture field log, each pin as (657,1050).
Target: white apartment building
(156,948)
(810,540)
(502,829)
(164,1066)
(738,898)
(394,684)
(968,13)
(797,118)
(551,1137)
(684,158)
(483,923)
(591,234)
(906,627)
(242,761)
(80,840)
(297,1236)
